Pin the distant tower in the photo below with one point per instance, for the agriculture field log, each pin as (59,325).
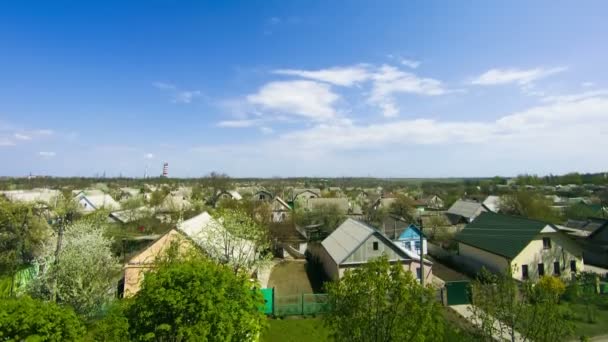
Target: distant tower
(165,169)
(146,172)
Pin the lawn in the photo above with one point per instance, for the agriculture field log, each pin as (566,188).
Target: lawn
(579,315)
(457,329)
(295,330)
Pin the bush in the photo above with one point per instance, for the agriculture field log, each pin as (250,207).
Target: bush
(113,327)
(32,320)
(552,286)
(195,300)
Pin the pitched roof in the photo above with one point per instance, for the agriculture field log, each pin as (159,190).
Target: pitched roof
(465,208)
(341,203)
(501,234)
(492,203)
(351,234)
(99,201)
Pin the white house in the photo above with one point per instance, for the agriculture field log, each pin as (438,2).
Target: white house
(89,203)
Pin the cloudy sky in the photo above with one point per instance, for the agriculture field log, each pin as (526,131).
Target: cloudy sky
(302,88)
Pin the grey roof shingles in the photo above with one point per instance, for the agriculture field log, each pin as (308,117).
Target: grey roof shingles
(345,239)
(464,208)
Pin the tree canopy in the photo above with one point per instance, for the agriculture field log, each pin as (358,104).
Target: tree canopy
(382,302)
(26,319)
(195,300)
(528,204)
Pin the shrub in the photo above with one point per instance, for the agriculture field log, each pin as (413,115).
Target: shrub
(33,320)
(552,286)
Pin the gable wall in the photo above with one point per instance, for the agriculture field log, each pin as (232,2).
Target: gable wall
(562,250)
(366,251)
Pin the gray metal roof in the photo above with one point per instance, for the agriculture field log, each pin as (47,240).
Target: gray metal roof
(345,239)
(466,209)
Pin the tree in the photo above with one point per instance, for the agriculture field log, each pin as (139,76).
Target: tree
(403,206)
(22,233)
(86,272)
(382,302)
(506,308)
(328,216)
(528,204)
(195,300)
(237,240)
(26,319)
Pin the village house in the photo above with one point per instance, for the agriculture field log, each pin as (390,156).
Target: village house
(354,243)
(304,194)
(263,195)
(146,260)
(91,202)
(528,248)
(280,209)
(46,196)
(465,211)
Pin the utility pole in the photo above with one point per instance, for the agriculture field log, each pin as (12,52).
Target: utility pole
(421,255)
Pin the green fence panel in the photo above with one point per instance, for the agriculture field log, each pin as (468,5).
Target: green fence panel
(458,292)
(268,300)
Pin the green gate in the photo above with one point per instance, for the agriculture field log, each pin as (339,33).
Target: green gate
(458,292)
(268,300)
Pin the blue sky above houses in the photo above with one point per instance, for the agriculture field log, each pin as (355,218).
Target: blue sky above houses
(358,88)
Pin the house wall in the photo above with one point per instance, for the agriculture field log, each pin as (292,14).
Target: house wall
(135,269)
(366,251)
(562,250)
(85,205)
(491,261)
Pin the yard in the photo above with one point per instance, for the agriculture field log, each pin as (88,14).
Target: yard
(295,330)
(295,277)
(580,316)
(313,330)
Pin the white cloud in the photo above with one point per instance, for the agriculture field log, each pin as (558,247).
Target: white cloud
(5,142)
(313,100)
(47,154)
(149,156)
(266,130)
(575,97)
(587,84)
(410,63)
(178,95)
(343,76)
(186,96)
(237,123)
(514,75)
(164,86)
(389,80)
(20,136)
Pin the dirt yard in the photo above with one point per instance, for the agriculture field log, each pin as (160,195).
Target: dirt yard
(293,277)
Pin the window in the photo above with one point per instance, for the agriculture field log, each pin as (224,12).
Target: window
(375,244)
(524,272)
(418,273)
(546,243)
(541,270)
(573,266)
(556,268)
(417,246)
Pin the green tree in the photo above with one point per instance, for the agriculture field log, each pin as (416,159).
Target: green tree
(86,272)
(403,206)
(22,233)
(328,216)
(382,302)
(530,205)
(195,300)
(506,308)
(26,319)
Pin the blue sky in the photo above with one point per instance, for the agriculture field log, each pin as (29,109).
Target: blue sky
(295,88)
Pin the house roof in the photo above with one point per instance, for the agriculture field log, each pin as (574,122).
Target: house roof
(501,234)
(35,195)
(492,203)
(129,215)
(465,208)
(351,234)
(281,204)
(345,239)
(99,201)
(341,203)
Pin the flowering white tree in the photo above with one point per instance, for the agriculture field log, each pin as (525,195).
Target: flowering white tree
(86,272)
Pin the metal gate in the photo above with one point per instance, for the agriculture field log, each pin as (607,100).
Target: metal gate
(458,292)
(268,300)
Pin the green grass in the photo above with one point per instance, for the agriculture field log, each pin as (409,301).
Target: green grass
(295,330)
(457,329)
(584,323)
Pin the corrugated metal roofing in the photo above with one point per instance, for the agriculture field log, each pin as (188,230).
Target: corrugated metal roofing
(345,239)
(500,234)
(464,208)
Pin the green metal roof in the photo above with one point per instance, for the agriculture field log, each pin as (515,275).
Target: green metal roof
(500,234)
